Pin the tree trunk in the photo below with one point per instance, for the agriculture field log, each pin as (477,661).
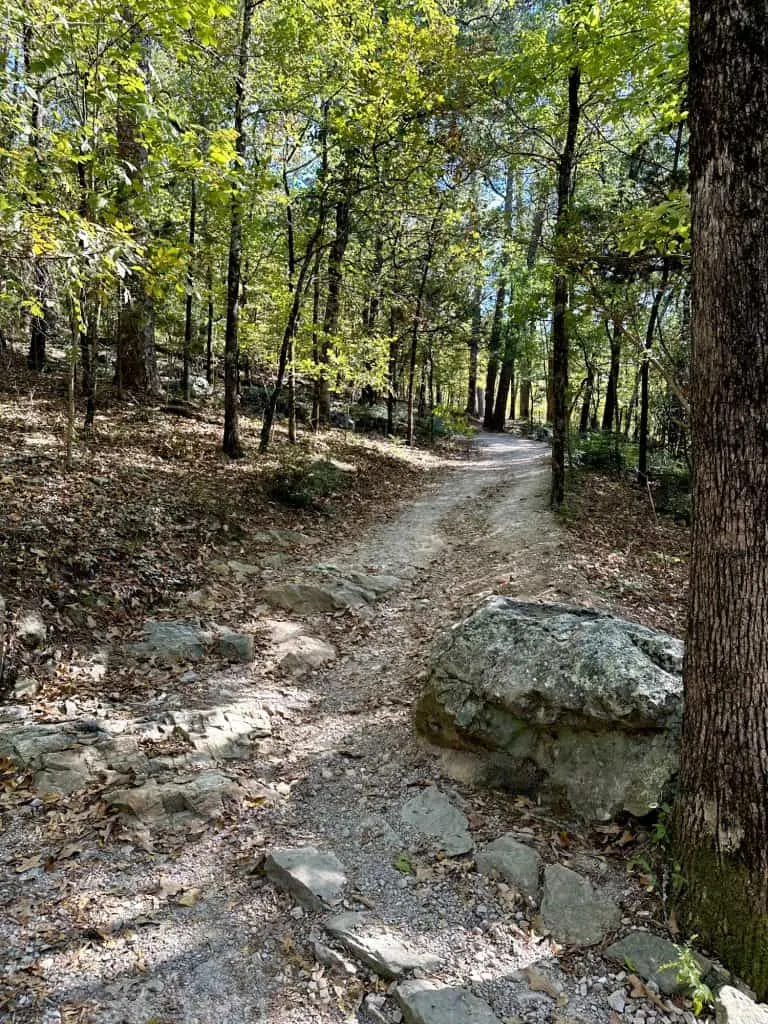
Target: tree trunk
(136,368)
(316,339)
(586,404)
(653,319)
(494,346)
(188,324)
(394,345)
(209,326)
(721,834)
(611,408)
(231,441)
(333,303)
(560,306)
(288,336)
(525,393)
(41,322)
(499,418)
(415,341)
(474,349)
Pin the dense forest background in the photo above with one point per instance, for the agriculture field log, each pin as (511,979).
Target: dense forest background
(400,212)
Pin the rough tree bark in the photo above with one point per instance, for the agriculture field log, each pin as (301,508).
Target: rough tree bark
(560,305)
(474,349)
(506,377)
(231,441)
(188,310)
(333,300)
(611,407)
(136,369)
(392,374)
(494,352)
(721,834)
(643,427)
(415,334)
(41,322)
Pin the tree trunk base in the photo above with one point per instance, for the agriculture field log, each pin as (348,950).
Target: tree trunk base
(723,912)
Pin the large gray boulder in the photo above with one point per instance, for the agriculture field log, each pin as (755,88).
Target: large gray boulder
(588,703)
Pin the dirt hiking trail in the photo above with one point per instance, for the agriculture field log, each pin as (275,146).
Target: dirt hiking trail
(177,922)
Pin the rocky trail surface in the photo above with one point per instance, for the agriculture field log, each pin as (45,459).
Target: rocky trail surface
(271,841)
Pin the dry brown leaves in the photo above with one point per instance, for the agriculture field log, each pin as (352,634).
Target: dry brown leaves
(633,559)
(149,504)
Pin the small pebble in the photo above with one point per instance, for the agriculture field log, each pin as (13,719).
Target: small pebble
(617,1000)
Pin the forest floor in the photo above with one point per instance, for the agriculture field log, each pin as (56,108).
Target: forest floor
(171,919)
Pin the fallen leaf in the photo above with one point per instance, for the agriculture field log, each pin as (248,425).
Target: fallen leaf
(189,898)
(538,982)
(29,863)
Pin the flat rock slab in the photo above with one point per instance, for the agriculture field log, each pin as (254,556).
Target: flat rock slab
(433,814)
(64,757)
(424,1002)
(644,953)
(301,654)
(733,1007)
(512,862)
(336,592)
(204,796)
(236,647)
(31,629)
(225,732)
(592,702)
(377,946)
(316,879)
(572,911)
(173,641)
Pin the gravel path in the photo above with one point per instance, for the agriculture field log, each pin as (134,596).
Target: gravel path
(186,928)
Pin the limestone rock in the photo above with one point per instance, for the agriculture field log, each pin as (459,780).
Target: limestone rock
(304,654)
(513,862)
(316,879)
(733,1007)
(572,911)
(204,796)
(433,814)
(590,701)
(68,756)
(236,646)
(334,590)
(31,629)
(170,642)
(377,946)
(26,686)
(644,953)
(425,1002)
(225,732)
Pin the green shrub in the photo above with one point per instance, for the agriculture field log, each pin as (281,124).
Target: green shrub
(604,453)
(672,486)
(309,484)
